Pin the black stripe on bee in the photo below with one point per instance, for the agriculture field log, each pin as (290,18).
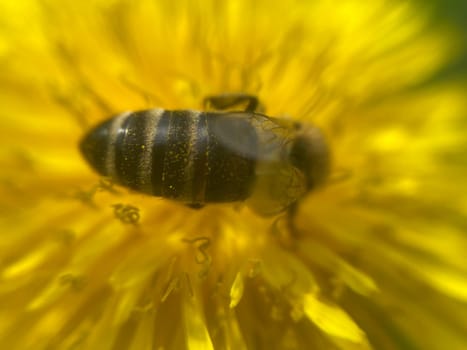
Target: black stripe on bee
(200,170)
(129,147)
(175,181)
(155,169)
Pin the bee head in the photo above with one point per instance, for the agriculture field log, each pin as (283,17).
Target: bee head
(310,154)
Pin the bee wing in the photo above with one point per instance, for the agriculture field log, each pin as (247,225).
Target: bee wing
(267,141)
(252,135)
(278,186)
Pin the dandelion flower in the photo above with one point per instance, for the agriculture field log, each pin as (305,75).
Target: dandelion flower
(374,260)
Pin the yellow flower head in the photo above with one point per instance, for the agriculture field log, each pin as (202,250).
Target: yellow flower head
(375,259)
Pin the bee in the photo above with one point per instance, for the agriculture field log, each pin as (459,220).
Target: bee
(219,155)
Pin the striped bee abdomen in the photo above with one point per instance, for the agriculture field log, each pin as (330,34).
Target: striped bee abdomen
(189,156)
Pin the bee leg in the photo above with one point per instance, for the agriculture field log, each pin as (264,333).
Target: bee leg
(230,101)
(195,205)
(291,214)
(285,230)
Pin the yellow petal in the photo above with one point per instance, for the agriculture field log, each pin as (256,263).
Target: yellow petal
(332,320)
